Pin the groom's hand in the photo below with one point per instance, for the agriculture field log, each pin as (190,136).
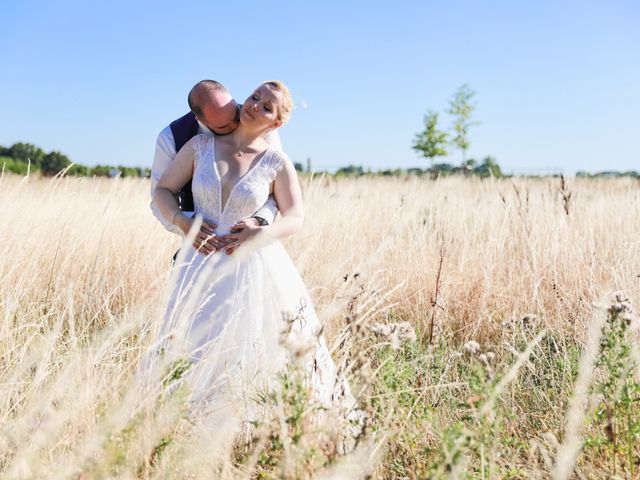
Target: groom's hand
(206,241)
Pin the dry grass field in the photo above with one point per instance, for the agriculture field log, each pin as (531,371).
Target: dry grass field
(524,363)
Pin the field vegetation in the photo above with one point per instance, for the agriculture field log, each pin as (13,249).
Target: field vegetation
(487,328)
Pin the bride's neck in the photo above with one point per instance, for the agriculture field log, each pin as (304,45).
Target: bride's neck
(245,139)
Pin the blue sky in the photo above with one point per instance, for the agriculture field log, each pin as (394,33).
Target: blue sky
(558,83)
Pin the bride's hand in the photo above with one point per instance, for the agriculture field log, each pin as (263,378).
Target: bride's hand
(240,232)
(206,241)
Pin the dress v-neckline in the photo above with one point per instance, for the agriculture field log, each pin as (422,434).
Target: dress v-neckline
(251,168)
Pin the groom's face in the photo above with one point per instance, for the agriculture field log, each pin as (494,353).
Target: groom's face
(221,117)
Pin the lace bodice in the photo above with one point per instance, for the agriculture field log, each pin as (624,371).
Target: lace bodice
(248,194)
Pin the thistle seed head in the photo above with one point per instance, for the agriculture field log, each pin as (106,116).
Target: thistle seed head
(472,348)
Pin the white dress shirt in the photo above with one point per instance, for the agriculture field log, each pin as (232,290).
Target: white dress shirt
(166,152)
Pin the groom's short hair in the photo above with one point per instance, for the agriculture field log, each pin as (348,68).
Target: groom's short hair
(200,93)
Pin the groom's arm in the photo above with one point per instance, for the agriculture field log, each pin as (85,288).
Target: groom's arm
(267,214)
(165,152)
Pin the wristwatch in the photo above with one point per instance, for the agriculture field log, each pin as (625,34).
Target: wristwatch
(261,221)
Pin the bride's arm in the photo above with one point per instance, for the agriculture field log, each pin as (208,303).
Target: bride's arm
(286,190)
(179,172)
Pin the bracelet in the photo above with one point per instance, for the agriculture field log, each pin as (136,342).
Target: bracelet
(261,221)
(174,216)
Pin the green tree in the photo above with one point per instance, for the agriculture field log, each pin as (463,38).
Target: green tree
(442,169)
(415,171)
(488,168)
(10,164)
(129,171)
(26,152)
(356,170)
(101,170)
(54,162)
(461,108)
(431,142)
(79,170)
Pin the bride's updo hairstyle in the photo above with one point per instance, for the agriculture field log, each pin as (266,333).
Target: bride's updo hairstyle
(284,113)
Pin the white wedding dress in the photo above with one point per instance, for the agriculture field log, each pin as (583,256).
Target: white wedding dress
(226,313)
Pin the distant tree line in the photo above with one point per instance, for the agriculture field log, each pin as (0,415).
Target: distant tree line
(486,168)
(609,174)
(23,157)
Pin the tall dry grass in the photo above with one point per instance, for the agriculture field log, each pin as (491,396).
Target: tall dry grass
(83,265)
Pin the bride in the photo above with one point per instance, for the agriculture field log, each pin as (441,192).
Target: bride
(227,312)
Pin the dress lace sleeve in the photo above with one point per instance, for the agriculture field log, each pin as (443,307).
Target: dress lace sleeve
(274,162)
(198,144)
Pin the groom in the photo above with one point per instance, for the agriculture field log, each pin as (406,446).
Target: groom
(213,112)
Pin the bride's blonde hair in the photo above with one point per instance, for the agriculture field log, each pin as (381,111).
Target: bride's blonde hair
(284,113)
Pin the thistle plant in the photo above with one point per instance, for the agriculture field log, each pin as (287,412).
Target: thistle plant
(474,436)
(615,423)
